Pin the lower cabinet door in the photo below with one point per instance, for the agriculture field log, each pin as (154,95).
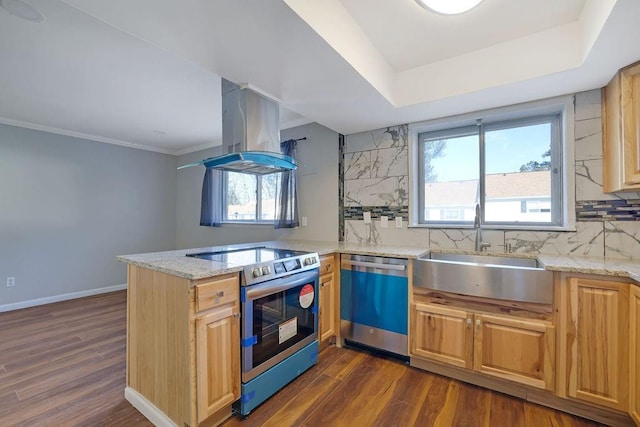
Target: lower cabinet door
(598,342)
(634,342)
(442,334)
(217,360)
(327,307)
(514,349)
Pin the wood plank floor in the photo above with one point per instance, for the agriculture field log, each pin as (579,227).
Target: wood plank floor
(63,364)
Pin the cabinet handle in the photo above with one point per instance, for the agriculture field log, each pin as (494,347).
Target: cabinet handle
(236,315)
(468,322)
(220,294)
(478,323)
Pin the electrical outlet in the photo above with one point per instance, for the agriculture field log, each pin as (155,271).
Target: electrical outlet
(11,282)
(384,221)
(398,222)
(366,217)
(303,221)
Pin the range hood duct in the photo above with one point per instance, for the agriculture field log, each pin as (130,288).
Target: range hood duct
(250,134)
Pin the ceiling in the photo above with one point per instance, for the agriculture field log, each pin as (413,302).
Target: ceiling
(146,73)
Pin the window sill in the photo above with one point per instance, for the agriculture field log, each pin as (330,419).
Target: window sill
(496,227)
(234,224)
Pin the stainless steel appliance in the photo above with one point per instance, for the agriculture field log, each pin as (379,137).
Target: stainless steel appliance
(374,302)
(250,133)
(279,317)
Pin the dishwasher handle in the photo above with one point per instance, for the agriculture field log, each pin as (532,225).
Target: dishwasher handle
(378,265)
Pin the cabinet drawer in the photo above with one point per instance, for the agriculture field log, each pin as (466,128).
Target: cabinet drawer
(327,264)
(215,293)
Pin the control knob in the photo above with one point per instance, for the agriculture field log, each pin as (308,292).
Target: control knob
(266,270)
(256,272)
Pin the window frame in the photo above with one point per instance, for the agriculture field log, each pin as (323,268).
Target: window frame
(258,211)
(458,132)
(563,187)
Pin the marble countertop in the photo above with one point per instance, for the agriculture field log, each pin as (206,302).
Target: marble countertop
(178,264)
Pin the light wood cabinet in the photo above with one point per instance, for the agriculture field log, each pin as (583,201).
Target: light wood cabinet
(215,293)
(515,349)
(217,360)
(443,334)
(634,360)
(595,322)
(621,131)
(217,344)
(328,310)
(183,347)
(327,264)
(327,307)
(505,347)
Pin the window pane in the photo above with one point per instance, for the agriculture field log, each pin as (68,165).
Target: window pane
(269,186)
(451,171)
(241,196)
(518,174)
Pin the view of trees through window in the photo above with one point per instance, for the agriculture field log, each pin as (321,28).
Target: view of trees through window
(251,197)
(518,176)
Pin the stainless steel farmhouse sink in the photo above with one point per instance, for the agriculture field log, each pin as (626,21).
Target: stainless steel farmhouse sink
(507,278)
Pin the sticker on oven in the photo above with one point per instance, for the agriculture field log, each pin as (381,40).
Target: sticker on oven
(306,296)
(287,330)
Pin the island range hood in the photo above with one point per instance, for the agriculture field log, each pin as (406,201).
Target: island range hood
(250,134)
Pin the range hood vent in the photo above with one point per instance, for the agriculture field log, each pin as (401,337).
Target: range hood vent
(250,134)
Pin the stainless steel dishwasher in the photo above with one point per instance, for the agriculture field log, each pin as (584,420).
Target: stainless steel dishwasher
(374,302)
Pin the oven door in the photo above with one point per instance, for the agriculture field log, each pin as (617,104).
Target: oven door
(279,317)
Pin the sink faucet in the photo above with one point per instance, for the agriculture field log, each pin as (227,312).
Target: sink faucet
(480,245)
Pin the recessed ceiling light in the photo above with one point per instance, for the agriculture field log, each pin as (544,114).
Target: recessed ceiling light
(449,7)
(22,10)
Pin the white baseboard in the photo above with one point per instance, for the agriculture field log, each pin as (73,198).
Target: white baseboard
(58,298)
(148,409)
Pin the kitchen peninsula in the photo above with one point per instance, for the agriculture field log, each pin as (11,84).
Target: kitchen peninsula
(181,308)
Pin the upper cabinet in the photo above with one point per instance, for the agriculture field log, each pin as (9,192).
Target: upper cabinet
(621,131)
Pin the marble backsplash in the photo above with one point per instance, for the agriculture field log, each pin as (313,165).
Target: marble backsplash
(376,179)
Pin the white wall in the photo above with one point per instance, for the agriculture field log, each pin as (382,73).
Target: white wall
(68,206)
(317,193)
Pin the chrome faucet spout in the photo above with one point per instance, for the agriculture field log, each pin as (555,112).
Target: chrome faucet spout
(480,246)
(476,220)
(476,225)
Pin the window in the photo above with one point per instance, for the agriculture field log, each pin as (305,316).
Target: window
(511,169)
(250,198)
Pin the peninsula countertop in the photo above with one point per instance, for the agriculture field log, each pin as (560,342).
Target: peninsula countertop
(178,264)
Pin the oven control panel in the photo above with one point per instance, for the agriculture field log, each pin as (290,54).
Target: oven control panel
(262,272)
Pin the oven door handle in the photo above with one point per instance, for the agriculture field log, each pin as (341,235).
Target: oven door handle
(281,284)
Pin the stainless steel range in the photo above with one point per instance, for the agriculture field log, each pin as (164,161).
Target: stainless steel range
(279,309)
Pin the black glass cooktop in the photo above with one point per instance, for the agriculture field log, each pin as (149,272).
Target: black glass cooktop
(248,256)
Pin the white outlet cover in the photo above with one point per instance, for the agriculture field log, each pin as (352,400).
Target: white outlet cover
(367,217)
(398,222)
(384,221)
(303,221)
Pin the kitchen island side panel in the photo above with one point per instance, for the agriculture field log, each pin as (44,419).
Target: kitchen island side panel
(158,341)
